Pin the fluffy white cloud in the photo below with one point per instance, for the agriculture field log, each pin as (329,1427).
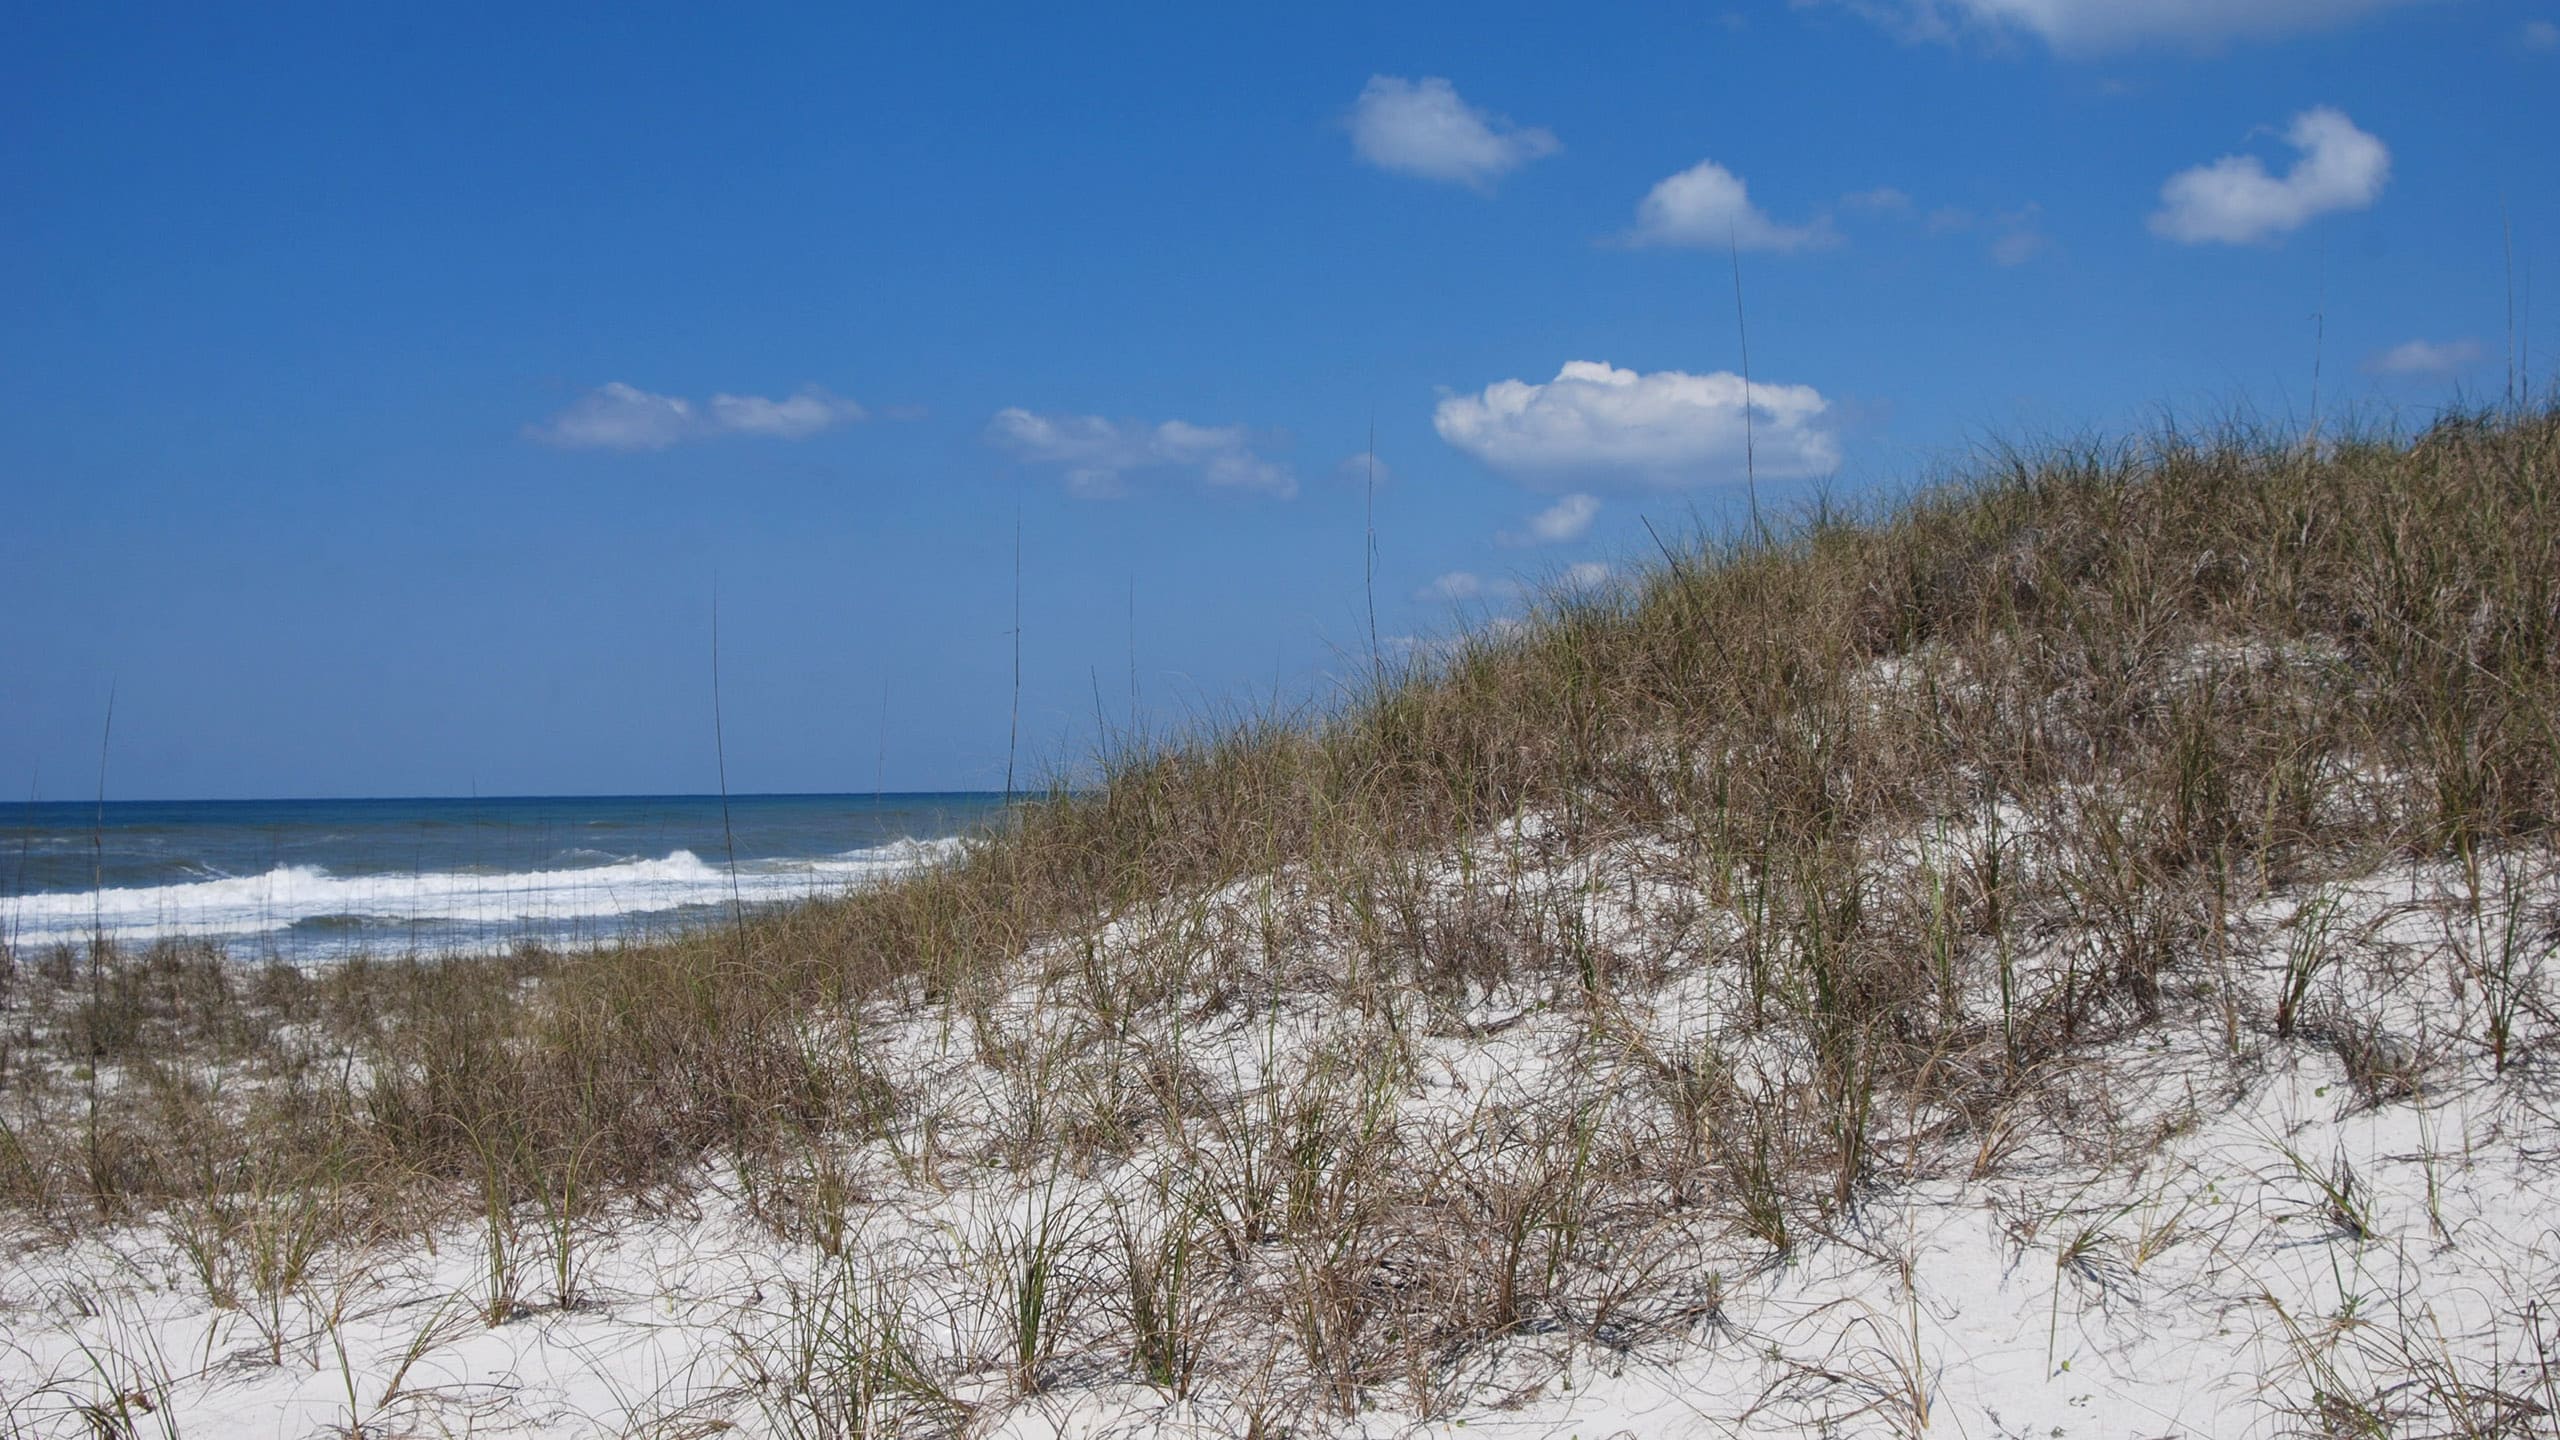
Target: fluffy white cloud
(2425,357)
(1421,127)
(1459,586)
(1098,455)
(2087,27)
(1567,519)
(803,415)
(1709,205)
(1463,587)
(615,416)
(2235,201)
(1480,630)
(1362,468)
(1599,427)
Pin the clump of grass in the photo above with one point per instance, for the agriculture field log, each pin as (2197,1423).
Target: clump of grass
(844,1364)
(1164,1289)
(2307,952)
(1034,1278)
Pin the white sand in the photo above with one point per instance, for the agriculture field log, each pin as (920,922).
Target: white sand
(2153,1252)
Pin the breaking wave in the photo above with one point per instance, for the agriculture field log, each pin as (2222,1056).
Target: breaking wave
(592,900)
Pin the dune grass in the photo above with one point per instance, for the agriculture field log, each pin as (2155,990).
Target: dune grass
(1949,788)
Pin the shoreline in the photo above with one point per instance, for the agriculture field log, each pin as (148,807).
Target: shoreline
(449,912)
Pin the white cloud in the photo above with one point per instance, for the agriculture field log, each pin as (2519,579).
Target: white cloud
(797,418)
(1479,631)
(1361,467)
(2017,247)
(1098,455)
(615,416)
(2539,35)
(1462,587)
(2234,201)
(1883,200)
(1709,205)
(1421,127)
(1599,428)
(1567,519)
(2016,235)
(2425,357)
(1459,586)
(2088,27)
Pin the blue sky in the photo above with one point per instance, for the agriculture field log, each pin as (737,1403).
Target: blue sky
(384,390)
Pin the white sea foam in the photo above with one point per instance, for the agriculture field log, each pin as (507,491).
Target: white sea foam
(289,895)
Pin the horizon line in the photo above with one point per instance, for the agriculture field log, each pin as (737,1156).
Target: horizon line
(712,795)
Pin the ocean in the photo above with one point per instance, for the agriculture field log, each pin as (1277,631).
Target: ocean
(318,880)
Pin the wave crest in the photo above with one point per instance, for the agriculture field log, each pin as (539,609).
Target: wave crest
(289,895)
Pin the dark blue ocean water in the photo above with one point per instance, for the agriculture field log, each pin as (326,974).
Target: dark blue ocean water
(321,879)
